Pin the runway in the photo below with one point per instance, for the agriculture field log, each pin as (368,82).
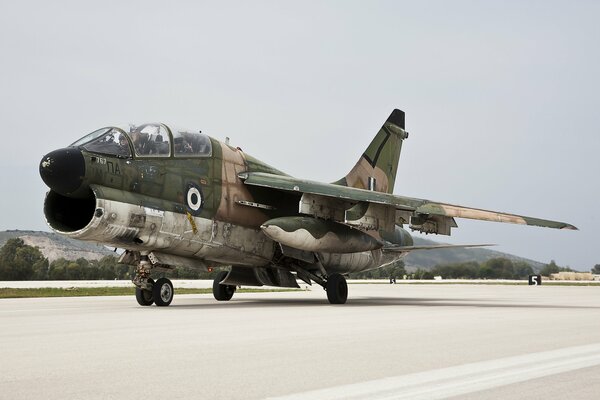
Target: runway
(387,342)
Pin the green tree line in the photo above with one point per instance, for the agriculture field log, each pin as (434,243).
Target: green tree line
(495,268)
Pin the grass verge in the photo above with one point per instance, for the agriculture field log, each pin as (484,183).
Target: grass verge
(8,293)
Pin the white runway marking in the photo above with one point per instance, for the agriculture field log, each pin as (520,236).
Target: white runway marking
(454,381)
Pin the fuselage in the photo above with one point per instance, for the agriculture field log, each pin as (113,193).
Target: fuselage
(159,188)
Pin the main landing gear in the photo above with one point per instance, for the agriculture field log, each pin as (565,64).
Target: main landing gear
(222,292)
(334,284)
(337,289)
(147,291)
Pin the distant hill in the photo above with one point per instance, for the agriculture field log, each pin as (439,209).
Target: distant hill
(427,259)
(55,246)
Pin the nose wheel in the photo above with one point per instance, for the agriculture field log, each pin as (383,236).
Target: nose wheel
(162,291)
(144,296)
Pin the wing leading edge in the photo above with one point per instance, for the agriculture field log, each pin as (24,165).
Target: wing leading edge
(418,208)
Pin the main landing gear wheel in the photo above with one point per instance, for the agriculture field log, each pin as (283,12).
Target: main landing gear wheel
(163,292)
(337,289)
(222,292)
(144,297)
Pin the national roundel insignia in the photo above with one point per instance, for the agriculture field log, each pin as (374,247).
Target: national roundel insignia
(193,198)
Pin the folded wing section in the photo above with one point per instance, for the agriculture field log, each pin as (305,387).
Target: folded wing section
(453,211)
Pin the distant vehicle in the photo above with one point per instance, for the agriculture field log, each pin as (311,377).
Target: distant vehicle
(178,198)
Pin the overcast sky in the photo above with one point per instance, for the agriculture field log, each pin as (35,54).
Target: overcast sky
(501,98)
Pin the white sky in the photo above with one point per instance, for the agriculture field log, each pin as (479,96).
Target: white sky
(501,98)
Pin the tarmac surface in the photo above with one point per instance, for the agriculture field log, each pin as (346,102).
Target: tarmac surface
(388,342)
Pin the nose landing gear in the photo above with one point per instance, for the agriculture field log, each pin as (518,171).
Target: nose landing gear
(144,296)
(147,291)
(162,292)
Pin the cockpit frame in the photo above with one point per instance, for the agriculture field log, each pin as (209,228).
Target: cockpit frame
(146,141)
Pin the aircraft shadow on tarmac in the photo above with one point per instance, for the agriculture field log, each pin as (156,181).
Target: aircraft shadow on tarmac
(375,302)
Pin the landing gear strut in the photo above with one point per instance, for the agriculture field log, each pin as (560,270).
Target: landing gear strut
(337,289)
(142,274)
(222,292)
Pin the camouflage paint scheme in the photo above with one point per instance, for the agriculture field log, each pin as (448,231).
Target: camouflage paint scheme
(228,208)
(315,234)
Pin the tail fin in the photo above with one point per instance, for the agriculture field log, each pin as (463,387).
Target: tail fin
(376,169)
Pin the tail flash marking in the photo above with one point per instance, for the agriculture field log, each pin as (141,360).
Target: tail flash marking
(376,169)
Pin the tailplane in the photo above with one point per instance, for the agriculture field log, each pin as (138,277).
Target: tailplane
(376,169)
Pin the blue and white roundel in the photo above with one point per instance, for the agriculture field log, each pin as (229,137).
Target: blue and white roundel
(194,198)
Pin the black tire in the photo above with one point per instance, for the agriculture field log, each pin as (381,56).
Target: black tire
(163,292)
(145,297)
(337,289)
(222,292)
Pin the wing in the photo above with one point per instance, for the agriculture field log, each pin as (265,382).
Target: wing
(371,209)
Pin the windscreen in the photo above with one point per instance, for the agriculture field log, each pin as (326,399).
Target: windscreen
(112,141)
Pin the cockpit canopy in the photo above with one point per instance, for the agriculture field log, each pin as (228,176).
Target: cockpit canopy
(147,140)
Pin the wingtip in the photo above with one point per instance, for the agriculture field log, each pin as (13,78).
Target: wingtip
(571,227)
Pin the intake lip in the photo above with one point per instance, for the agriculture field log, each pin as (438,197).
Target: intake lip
(63,170)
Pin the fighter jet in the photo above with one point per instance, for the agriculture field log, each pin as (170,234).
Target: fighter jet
(173,197)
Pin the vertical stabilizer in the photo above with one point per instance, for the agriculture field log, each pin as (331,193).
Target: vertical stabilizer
(376,169)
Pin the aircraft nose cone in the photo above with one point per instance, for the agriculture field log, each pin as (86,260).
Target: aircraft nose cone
(63,170)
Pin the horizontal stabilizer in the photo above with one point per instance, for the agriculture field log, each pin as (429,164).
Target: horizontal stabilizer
(406,249)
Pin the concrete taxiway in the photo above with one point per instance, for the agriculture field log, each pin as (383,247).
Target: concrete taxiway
(388,341)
